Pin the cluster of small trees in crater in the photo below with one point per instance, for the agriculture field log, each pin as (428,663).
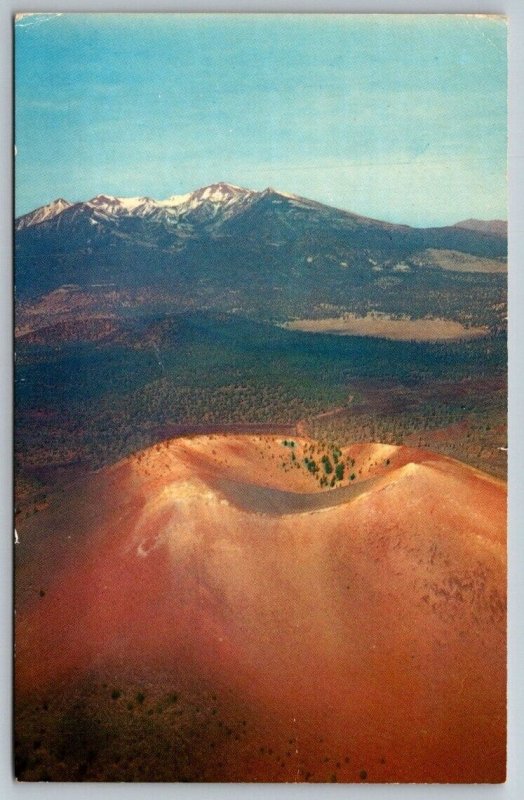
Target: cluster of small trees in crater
(329,467)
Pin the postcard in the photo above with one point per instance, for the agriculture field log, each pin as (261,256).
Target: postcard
(260,398)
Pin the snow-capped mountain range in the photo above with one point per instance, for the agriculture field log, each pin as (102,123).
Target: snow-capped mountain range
(267,253)
(209,206)
(203,203)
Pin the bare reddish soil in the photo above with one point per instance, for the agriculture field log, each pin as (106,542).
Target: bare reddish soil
(167,631)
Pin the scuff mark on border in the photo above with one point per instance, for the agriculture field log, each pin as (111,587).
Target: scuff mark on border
(33,18)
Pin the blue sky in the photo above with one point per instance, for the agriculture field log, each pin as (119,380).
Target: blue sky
(400,118)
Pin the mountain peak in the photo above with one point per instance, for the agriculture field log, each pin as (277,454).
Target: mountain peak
(218,200)
(272,192)
(123,206)
(220,191)
(103,200)
(42,214)
(224,185)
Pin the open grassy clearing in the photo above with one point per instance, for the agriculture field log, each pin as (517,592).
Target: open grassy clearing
(386,327)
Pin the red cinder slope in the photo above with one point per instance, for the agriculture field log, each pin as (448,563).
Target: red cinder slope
(364,640)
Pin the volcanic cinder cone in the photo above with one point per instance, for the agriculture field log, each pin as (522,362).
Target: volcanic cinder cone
(301,634)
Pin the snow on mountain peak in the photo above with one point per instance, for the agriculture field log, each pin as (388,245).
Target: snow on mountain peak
(123,206)
(208,201)
(42,213)
(219,193)
(174,201)
(138,205)
(216,193)
(222,189)
(105,202)
(288,195)
(208,198)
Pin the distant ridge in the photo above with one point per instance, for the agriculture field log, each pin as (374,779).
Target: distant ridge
(499,227)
